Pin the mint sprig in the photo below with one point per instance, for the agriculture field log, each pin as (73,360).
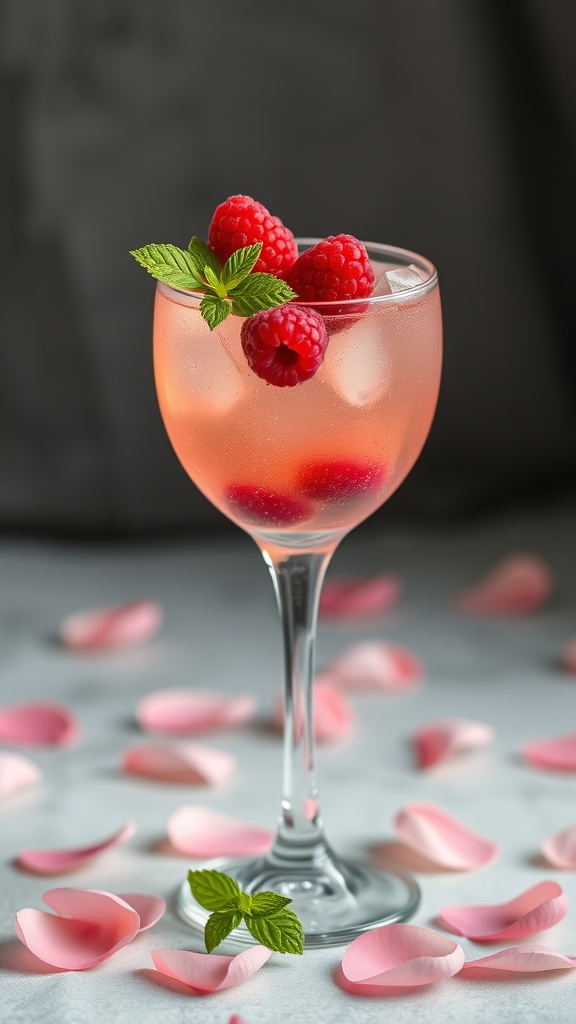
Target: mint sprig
(232,288)
(265,914)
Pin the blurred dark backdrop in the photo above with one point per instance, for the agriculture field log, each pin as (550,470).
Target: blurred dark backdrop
(437,125)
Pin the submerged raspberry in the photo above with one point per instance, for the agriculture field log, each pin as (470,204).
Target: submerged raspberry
(335,269)
(241,221)
(260,506)
(340,479)
(285,345)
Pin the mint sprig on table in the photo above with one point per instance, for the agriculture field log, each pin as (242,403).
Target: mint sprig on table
(232,288)
(265,914)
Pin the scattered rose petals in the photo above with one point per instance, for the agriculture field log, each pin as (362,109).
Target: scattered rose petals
(191,711)
(334,718)
(38,722)
(400,955)
(373,665)
(442,839)
(518,585)
(356,598)
(57,862)
(149,908)
(557,752)
(88,927)
(521,960)
(17,773)
(203,832)
(440,741)
(569,656)
(535,910)
(112,627)
(186,763)
(560,849)
(210,972)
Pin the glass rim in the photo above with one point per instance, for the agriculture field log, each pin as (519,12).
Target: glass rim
(403,257)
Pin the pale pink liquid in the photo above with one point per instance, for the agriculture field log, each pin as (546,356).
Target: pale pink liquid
(369,405)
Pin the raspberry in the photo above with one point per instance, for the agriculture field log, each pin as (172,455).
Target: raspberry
(340,479)
(241,221)
(284,345)
(335,269)
(262,507)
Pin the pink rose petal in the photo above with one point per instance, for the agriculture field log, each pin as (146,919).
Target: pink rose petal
(191,711)
(557,752)
(560,849)
(442,839)
(440,741)
(210,972)
(17,773)
(521,960)
(334,718)
(112,627)
(40,722)
(518,585)
(149,908)
(373,665)
(186,763)
(235,1019)
(356,598)
(88,927)
(58,862)
(400,955)
(534,910)
(203,832)
(569,656)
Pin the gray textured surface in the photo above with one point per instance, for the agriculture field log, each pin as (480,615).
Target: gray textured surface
(221,631)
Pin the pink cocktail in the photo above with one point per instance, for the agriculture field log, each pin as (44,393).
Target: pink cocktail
(297,468)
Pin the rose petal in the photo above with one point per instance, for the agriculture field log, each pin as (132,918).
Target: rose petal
(557,752)
(57,862)
(88,927)
(356,598)
(569,656)
(186,763)
(534,910)
(202,832)
(210,972)
(235,1019)
(149,908)
(521,960)
(442,839)
(39,722)
(560,849)
(334,718)
(516,586)
(442,740)
(17,773)
(111,627)
(372,665)
(400,955)
(190,711)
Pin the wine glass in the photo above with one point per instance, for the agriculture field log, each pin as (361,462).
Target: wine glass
(298,468)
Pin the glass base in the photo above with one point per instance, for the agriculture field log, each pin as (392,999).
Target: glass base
(331,914)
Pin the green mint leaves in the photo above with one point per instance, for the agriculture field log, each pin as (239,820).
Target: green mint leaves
(265,914)
(231,288)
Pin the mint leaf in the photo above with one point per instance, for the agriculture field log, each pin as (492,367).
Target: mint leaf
(266,903)
(218,926)
(240,264)
(203,256)
(214,890)
(214,310)
(281,932)
(213,281)
(257,292)
(168,263)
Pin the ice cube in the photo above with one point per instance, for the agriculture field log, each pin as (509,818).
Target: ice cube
(357,360)
(404,277)
(205,378)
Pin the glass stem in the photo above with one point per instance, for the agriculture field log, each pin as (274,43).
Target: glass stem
(298,579)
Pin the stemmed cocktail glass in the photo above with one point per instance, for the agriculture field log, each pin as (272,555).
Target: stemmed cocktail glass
(298,468)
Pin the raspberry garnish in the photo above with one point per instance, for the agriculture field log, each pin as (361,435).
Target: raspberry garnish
(284,345)
(262,507)
(335,269)
(340,479)
(241,221)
